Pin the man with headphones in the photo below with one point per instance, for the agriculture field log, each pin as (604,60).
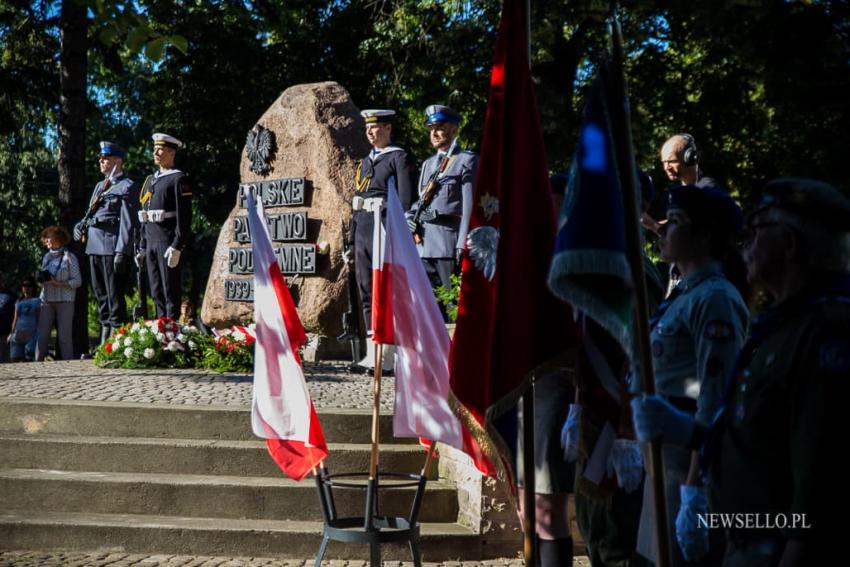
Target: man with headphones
(680,158)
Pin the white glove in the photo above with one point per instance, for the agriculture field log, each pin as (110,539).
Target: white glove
(348,255)
(570,433)
(357,203)
(656,419)
(172,255)
(139,259)
(692,538)
(627,463)
(143,216)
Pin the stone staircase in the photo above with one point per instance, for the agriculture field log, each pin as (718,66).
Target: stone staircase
(144,478)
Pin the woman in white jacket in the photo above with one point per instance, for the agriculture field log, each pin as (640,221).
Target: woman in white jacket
(60,276)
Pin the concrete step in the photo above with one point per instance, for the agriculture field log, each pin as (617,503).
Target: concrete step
(185,456)
(131,533)
(120,419)
(203,496)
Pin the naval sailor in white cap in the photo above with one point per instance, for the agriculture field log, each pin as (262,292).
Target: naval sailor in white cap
(166,217)
(387,167)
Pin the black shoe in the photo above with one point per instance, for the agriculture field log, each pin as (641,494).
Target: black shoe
(355,368)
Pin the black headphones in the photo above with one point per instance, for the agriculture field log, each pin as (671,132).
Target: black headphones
(690,154)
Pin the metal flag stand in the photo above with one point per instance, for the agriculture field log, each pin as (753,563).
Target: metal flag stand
(372,528)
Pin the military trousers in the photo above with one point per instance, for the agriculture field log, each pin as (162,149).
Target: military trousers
(164,282)
(364,226)
(108,286)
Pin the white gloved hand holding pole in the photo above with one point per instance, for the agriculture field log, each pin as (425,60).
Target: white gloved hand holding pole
(626,460)
(656,419)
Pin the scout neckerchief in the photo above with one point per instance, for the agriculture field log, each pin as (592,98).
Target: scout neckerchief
(685,283)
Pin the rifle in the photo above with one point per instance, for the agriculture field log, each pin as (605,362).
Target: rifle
(351,318)
(140,312)
(88,218)
(422,213)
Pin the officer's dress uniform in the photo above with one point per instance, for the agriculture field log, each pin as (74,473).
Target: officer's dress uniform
(376,174)
(111,233)
(777,447)
(697,333)
(166,215)
(452,209)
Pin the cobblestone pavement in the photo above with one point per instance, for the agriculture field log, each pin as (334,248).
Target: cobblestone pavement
(77,559)
(330,384)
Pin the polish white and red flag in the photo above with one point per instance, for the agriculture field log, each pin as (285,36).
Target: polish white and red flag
(282,412)
(405,314)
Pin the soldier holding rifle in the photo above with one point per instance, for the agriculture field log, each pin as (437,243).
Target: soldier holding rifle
(107,229)
(439,220)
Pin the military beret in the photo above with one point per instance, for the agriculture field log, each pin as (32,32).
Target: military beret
(112,149)
(807,198)
(438,113)
(709,204)
(376,116)
(160,139)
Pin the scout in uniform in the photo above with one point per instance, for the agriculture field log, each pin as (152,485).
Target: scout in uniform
(772,452)
(696,335)
(440,218)
(108,231)
(387,167)
(166,217)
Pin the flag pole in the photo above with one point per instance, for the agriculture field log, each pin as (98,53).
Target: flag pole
(428,458)
(529,506)
(376,403)
(621,126)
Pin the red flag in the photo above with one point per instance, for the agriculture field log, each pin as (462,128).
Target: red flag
(508,321)
(281,411)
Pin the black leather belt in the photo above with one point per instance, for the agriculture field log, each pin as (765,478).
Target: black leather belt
(106,223)
(449,221)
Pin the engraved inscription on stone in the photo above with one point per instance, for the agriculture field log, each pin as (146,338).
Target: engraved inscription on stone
(239,290)
(285,226)
(277,192)
(292,259)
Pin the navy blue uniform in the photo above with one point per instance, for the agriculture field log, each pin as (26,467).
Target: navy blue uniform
(376,173)
(168,196)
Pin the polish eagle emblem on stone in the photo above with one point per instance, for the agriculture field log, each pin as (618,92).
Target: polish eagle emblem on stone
(483,243)
(260,147)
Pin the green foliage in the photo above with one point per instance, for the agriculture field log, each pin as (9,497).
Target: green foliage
(164,343)
(159,343)
(448,297)
(232,352)
(758,83)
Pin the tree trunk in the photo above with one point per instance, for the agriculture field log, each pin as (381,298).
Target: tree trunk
(73,25)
